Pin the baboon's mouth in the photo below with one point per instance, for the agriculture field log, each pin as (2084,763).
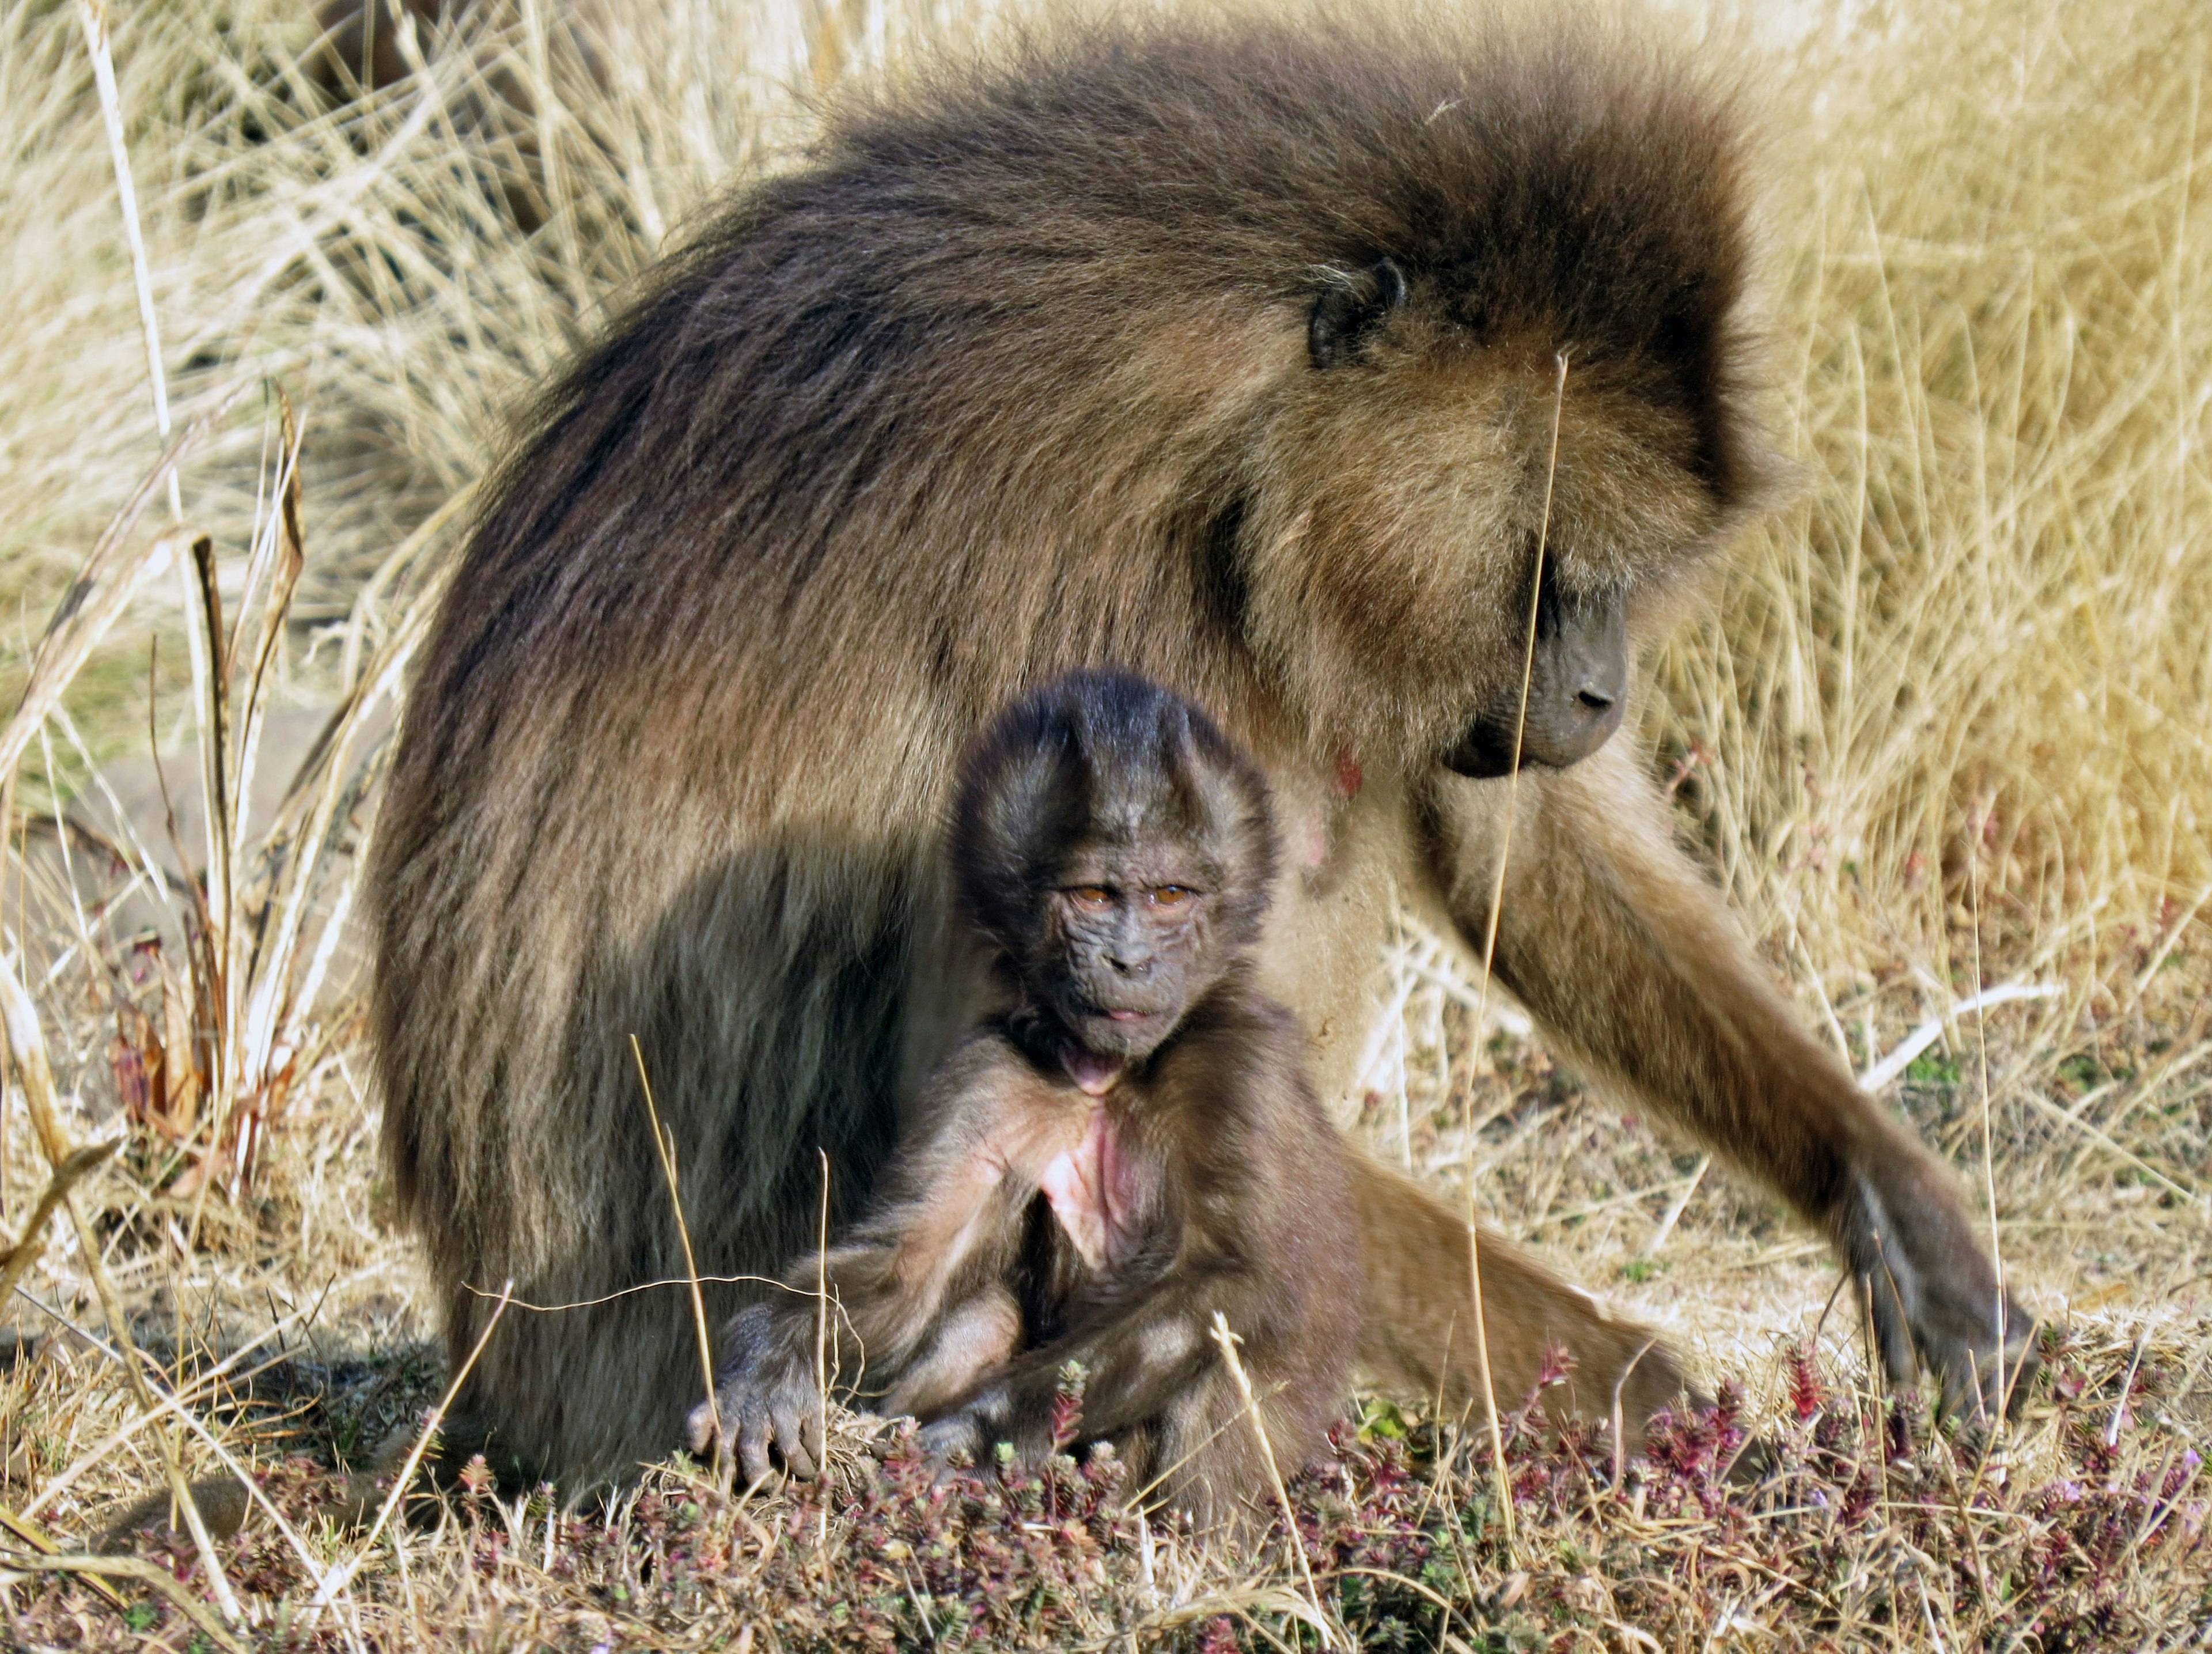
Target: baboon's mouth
(1121,1033)
(1119,1010)
(1487,750)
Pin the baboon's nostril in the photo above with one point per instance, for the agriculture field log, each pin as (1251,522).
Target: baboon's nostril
(1596,700)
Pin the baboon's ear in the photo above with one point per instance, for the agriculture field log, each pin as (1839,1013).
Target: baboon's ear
(1346,310)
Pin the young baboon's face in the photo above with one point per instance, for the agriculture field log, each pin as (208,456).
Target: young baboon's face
(1124,942)
(1115,850)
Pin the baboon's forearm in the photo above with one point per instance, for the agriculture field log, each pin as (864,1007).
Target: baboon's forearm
(1630,960)
(873,1318)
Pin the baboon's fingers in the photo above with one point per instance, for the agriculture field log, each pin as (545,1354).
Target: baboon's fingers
(1979,1383)
(1966,1381)
(753,1432)
(709,1431)
(1979,1373)
(1892,1330)
(2023,1359)
(766,1397)
(1963,1394)
(792,1427)
(1933,1295)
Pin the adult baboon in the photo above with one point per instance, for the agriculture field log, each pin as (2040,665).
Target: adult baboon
(1229,352)
(1123,1147)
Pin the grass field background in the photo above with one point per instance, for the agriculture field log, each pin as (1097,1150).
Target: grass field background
(1949,731)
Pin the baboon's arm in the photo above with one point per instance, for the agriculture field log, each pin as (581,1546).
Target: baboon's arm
(1630,960)
(1418,1337)
(1138,1360)
(911,1289)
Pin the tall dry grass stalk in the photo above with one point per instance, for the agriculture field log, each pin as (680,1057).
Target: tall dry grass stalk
(1984,628)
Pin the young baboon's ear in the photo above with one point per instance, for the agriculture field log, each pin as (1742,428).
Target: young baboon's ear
(1346,310)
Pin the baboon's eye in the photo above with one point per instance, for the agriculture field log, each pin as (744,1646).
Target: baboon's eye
(1091,898)
(1172,896)
(1346,312)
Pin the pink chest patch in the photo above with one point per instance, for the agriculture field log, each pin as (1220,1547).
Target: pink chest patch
(1093,1191)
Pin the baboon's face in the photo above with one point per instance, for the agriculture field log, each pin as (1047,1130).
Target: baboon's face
(1410,471)
(1141,910)
(1117,853)
(1125,941)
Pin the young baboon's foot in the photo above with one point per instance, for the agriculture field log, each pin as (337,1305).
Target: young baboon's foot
(996,1411)
(767,1408)
(1935,1296)
(957,1439)
(908,1442)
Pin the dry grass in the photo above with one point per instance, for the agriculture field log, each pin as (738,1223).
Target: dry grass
(1948,730)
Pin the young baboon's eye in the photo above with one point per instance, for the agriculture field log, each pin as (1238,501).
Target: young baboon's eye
(1172,896)
(1091,898)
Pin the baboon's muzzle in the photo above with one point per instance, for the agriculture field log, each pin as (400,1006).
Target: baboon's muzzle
(1577,689)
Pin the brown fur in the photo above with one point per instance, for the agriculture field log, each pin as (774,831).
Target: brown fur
(1197,1175)
(1016,376)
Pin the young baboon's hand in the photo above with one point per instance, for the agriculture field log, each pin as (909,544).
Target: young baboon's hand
(766,1398)
(1934,1294)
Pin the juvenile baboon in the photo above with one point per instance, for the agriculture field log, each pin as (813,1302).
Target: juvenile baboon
(1231,353)
(1122,1148)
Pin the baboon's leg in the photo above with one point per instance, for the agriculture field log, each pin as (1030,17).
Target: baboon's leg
(1418,1336)
(1628,957)
(1145,1358)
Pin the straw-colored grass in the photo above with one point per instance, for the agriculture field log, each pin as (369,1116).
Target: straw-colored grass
(1948,730)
